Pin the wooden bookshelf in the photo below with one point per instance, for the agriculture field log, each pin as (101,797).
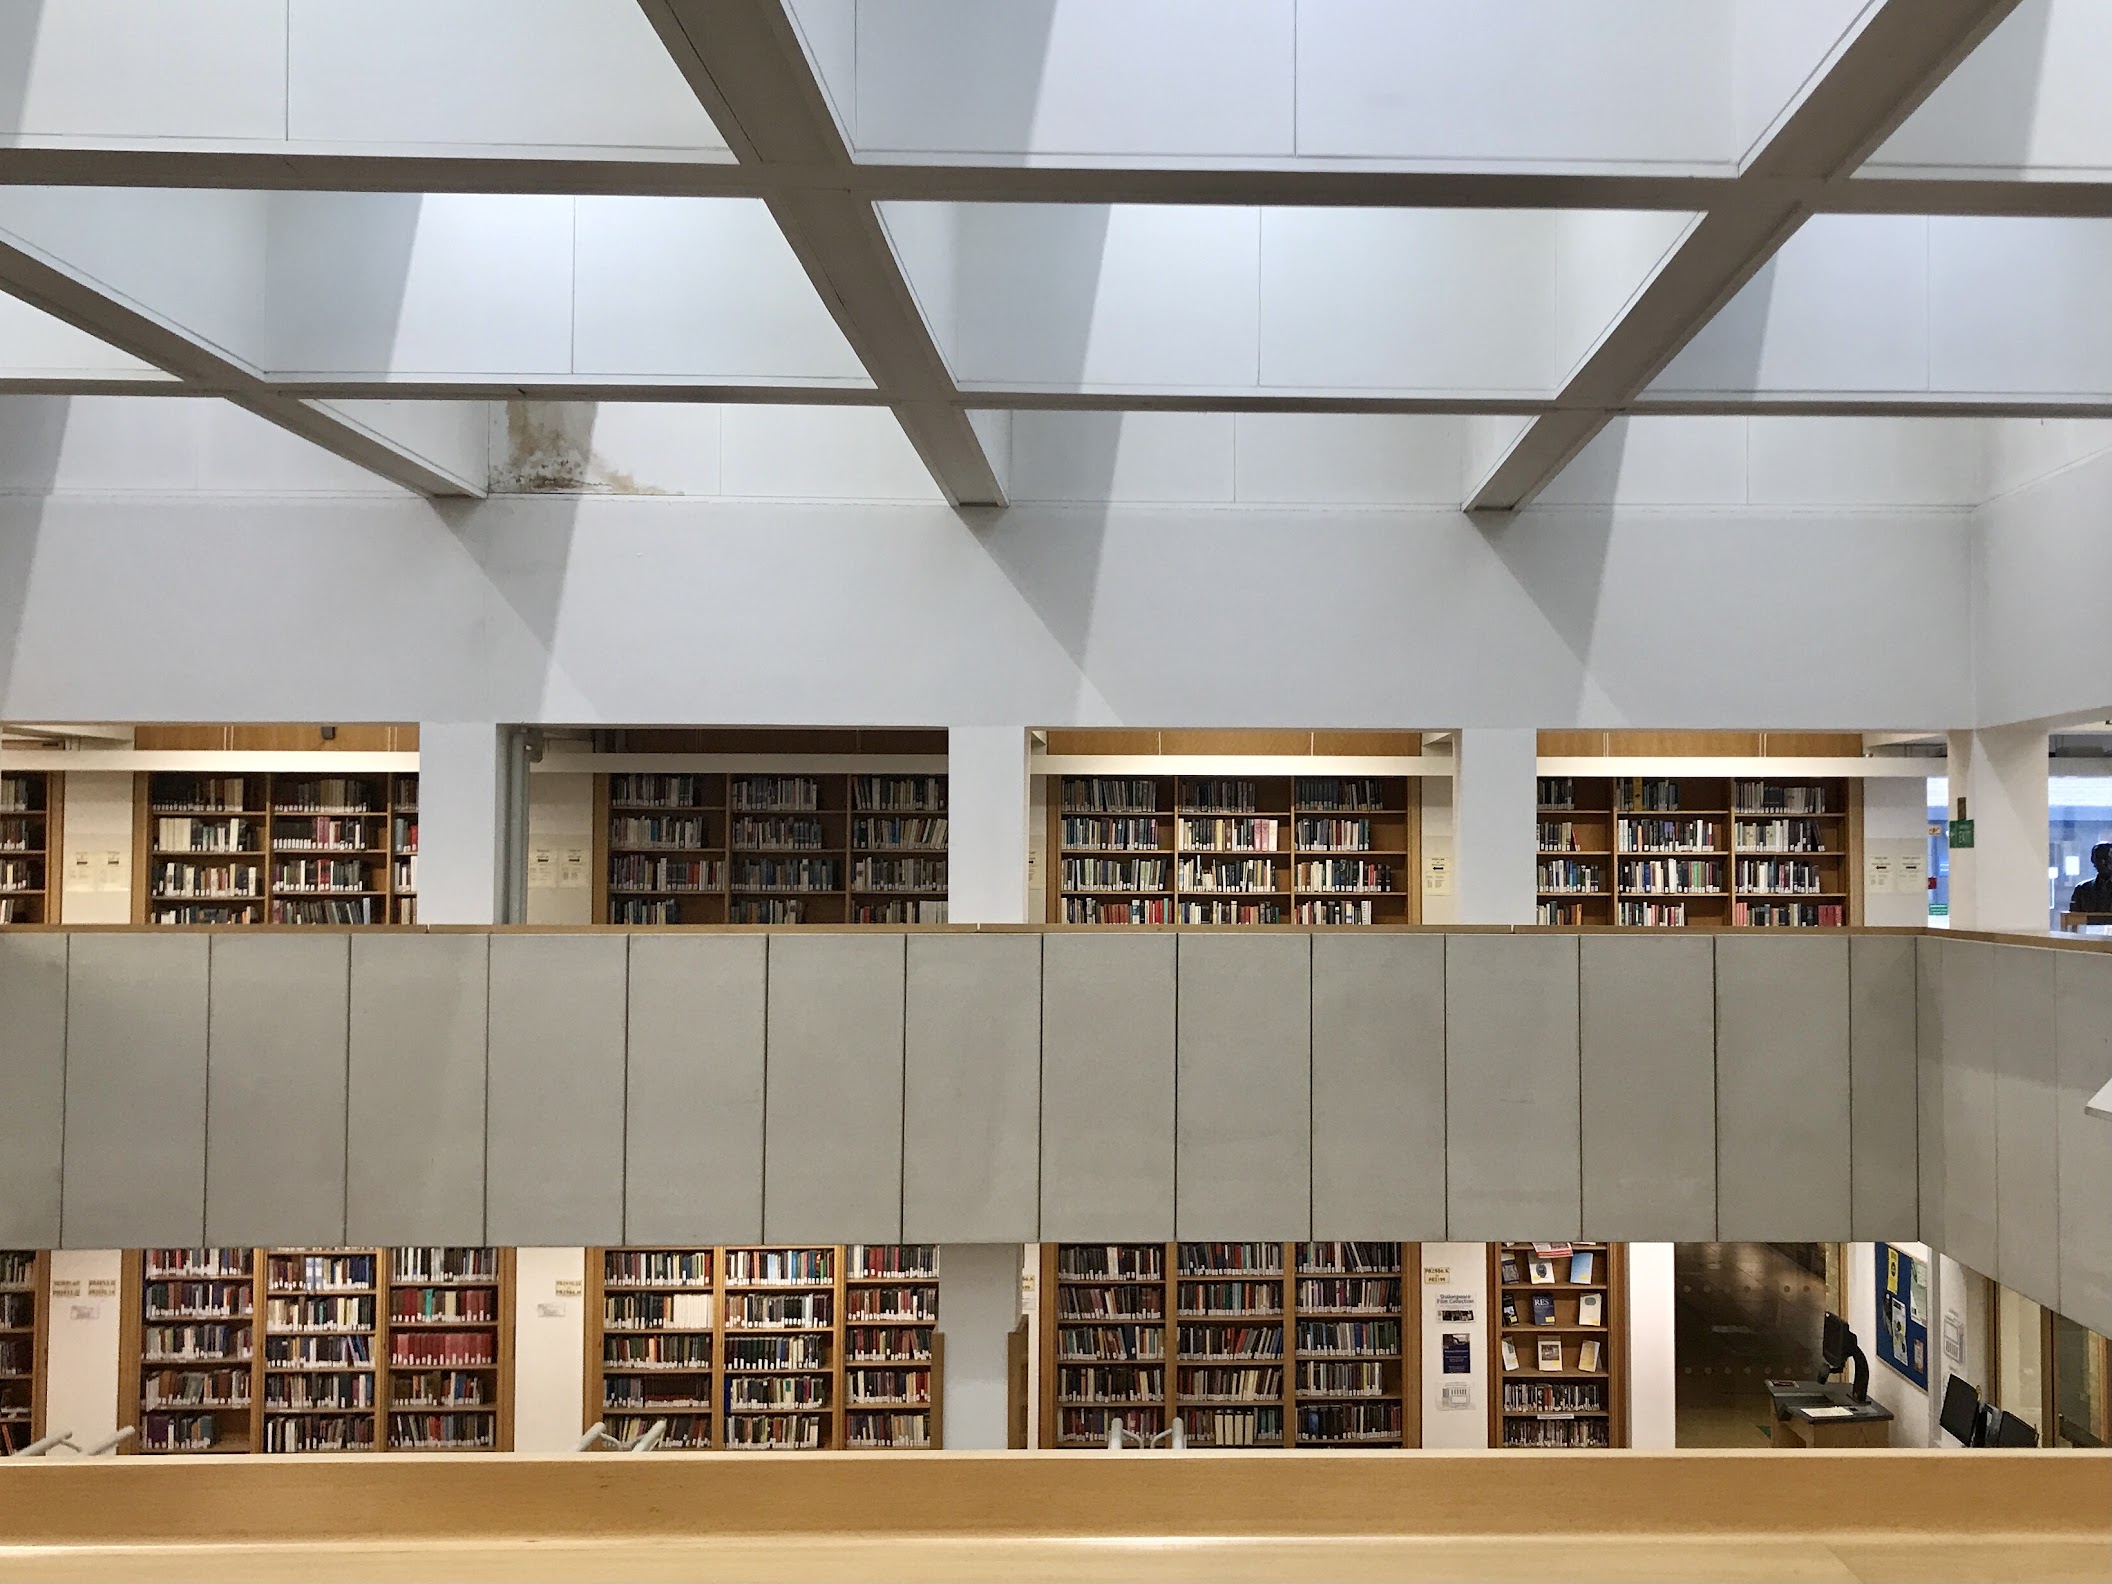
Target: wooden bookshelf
(339,851)
(770,847)
(1662,852)
(189,1333)
(1247,1344)
(788,1348)
(299,1350)
(1241,849)
(25,1342)
(449,1359)
(1568,1386)
(30,865)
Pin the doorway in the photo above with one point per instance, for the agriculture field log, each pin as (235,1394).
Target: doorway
(1743,1313)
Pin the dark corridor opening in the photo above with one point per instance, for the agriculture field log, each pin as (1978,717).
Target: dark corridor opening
(1742,1313)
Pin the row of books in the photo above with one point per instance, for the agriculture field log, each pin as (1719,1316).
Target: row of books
(904,1430)
(787,874)
(1371,1293)
(21,874)
(1229,1384)
(1111,1303)
(1101,833)
(1790,915)
(759,834)
(927,835)
(318,1313)
(638,872)
(1529,1396)
(1779,874)
(1136,910)
(768,793)
(287,1392)
(1116,1343)
(656,1267)
(1572,874)
(656,1311)
(898,874)
(681,833)
(1662,835)
(180,833)
(866,1261)
(1234,1298)
(887,1386)
(1233,1427)
(318,1272)
(913,1305)
(777,1391)
(1229,835)
(321,833)
(338,910)
(928,910)
(759,1309)
(906,794)
(21,794)
(446,1305)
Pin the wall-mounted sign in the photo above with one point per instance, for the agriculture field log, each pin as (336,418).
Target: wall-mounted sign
(1961,834)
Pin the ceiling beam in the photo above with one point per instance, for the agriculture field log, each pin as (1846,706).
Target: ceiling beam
(1285,185)
(202,371)
(1873,82)
(744,61)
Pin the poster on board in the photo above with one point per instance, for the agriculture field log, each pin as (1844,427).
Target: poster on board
(1903,1313)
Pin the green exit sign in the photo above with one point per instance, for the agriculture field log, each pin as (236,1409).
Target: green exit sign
(1961,834)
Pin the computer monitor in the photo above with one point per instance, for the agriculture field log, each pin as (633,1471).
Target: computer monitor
(1961,1409)
(1835,1343)
(2010,1431)
(1838,1351)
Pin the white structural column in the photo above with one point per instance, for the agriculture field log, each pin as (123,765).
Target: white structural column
(986,825)
(461,799)
(1493,808)
(978,1307)
(1999,883)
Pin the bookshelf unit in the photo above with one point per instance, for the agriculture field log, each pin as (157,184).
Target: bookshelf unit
(794,1348)
(275,848)
(770,847)
(302,1350)
(1309,850)
(450,1350)
(25,1339)
(190,1320)
(1565,1381)
(1259,1344)
(1741,851)
(29,847)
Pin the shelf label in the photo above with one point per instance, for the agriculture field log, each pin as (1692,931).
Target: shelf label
(66,1287)
(102,1287)
(571,1287)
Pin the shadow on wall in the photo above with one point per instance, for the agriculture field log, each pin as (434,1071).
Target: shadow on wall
(32,436)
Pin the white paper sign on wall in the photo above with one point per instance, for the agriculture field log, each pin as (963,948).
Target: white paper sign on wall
(1437,876)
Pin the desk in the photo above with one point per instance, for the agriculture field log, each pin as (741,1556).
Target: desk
(1866,1424)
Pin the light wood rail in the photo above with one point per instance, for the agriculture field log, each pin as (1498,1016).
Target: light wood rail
(1554,1516)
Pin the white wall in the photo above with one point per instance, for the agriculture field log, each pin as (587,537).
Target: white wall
(86,1313)
(2039,556)
(1458,1268)
(1913,1421)
(1961,1297)
(1653,1365)
(96,828)
(547,611)
(560,828)
(1896,828)
(549,1348)
(979,1303)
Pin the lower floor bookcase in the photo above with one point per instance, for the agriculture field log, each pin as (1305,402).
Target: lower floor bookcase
(24,1343)
(318,1350)
(799,1349)
(1323,1344)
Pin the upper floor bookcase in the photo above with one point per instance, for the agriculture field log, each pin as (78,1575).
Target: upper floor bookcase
(1743,849)
(1278,840)
(29,847)
(767,836)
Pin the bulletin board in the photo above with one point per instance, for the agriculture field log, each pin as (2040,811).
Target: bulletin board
(1903,1313)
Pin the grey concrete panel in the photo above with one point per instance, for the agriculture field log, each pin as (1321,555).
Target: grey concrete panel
(32,1086)
(2082,990)
(1782,1088)
(277,1044)
(2027,1175)
(135,1091)
(1970,1179)
(1243,1087)
(693,1150)
(554,1097)
(1107,1087)
(1378,1086)
(415,1131)
(971,1122)
(832,1131)
(1513,1158)
(1884,1098)
(1648,1033)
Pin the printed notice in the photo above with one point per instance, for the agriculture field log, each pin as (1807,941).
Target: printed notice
(1458,1351)
(1455,1394)
(570,1287)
